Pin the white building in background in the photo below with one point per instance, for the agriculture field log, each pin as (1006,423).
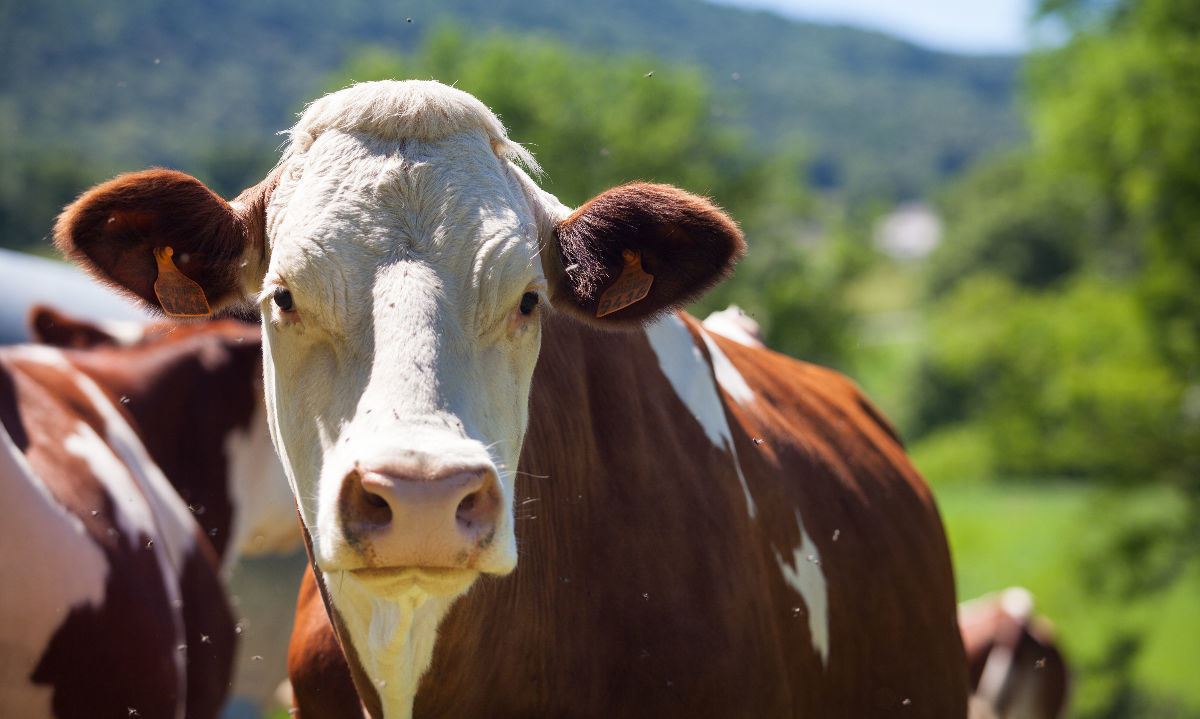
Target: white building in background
(909,232)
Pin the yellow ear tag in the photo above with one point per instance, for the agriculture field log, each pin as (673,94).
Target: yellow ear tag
(178,294)
(632,285)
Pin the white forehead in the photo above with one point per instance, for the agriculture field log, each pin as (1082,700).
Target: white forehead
(385,170)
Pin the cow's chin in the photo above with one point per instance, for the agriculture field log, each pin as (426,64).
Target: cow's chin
(396,582)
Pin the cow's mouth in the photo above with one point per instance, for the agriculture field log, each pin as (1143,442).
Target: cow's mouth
(394,581)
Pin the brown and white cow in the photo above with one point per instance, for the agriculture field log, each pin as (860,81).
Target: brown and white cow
(705,528)
(129,475)
(1015,667)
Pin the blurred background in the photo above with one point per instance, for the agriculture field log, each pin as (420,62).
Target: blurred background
(987,213)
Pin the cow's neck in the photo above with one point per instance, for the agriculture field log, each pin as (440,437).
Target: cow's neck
(399,632)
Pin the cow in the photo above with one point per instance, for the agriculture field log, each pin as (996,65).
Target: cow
(705,528)
(132,476)
(1015,667)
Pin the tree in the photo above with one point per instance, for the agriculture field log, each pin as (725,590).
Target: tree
(1117,106)
(1107,197)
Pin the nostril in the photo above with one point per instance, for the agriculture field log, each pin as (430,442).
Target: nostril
(361,508)
(466,514)
(374,509)
(374,501)
(476,513)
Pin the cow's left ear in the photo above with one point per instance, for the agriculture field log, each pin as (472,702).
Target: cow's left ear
(637,251)
(167,240)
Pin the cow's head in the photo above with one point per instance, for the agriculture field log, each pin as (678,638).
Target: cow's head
(401,259)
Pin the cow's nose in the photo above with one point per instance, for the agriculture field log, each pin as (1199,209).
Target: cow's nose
(406,517)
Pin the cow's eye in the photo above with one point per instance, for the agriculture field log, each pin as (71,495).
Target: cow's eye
(529,302)
(283,299)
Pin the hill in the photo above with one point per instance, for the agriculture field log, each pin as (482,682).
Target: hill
(91,88)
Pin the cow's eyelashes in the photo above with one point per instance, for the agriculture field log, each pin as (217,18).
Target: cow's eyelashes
(282,297)
(529,302)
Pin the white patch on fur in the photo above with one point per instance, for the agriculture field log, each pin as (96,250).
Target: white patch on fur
(171,523)
(132,515)
(126,332)
(51,566)
(732,323)
(1017,602)
(692,378)
(264,511)
(803,574)
(394,636)
(727,375)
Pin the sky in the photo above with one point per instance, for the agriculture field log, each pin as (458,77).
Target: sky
(965,26)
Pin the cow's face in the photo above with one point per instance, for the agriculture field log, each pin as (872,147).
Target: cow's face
(401,307)
(401,261)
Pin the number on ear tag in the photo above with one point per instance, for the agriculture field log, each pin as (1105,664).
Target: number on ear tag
(631,286)
(178,294)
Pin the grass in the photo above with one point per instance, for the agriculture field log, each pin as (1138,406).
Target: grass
(1132,655)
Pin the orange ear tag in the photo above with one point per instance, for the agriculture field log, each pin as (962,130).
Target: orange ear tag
(178,294)
(631,286)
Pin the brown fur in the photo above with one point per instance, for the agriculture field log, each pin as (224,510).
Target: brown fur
(120,654)
(645,590)
(48,326)
(113,228)
(687,244)
(323,680)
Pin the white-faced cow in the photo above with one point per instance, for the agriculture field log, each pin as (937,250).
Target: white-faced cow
(128,475)
(705,529)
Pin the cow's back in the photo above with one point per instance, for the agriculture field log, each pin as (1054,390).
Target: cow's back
(829,462)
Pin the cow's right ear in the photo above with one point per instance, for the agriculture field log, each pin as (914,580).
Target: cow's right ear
(114,230)
(638,251)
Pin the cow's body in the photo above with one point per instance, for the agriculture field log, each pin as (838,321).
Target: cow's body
(650,585)
(761,547)
(1015,668)
(128,474)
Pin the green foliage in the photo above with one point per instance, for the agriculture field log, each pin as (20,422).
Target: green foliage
(1033,231)
(1117,107)
(1065,318)
(797,294)
(1064,383)
(33,189)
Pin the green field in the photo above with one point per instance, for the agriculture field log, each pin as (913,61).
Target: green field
(1052,539)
